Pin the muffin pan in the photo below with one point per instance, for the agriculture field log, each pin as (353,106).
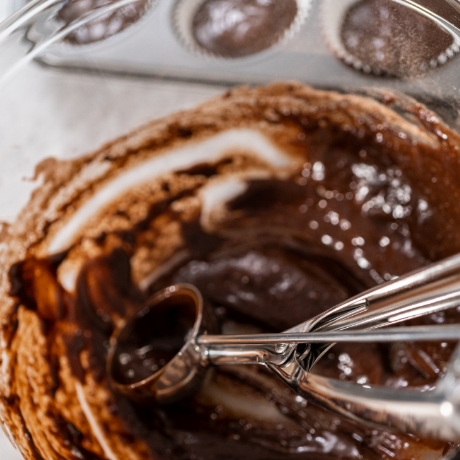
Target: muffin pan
(154,48)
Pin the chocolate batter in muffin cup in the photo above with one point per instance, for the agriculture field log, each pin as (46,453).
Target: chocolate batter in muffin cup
(383,38)
(100,29)
(237,28)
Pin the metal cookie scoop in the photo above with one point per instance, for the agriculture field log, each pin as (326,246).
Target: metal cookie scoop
(162,352)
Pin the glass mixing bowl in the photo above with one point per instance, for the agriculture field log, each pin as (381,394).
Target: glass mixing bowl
(76,74)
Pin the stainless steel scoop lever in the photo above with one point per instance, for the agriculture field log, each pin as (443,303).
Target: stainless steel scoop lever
(422,292)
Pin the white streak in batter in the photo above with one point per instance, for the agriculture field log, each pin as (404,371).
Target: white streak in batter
(216,194)
(250,141)
(93,423)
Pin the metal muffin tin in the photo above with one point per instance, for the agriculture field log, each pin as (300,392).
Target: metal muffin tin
(152,48)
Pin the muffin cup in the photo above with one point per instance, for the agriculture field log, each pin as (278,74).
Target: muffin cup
(333,15)
(185,11)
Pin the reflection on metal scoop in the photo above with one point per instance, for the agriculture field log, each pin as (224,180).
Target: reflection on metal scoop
(162,352)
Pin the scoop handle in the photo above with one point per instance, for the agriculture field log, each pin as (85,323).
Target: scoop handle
(434,414)
(424,291)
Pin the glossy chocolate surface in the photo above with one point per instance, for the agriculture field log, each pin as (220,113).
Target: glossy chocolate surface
(237,28)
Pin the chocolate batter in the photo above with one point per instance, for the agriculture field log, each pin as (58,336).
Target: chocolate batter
(104,27)
(369,195)
(237,28)
(394,39)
